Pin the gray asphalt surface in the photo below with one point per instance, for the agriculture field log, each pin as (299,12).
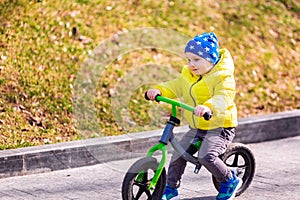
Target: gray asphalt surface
(277,177)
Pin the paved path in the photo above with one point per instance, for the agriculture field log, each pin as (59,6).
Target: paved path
(277,177)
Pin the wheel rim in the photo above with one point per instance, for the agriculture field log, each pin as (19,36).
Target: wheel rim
(140,188)
(242,163)
(138,179)
(240,160)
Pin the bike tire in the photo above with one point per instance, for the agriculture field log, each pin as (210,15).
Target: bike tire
(245,167)
(133,190)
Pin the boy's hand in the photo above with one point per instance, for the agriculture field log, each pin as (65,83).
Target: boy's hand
(201,110)
(152,93)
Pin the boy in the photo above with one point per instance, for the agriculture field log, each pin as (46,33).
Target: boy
(208,84)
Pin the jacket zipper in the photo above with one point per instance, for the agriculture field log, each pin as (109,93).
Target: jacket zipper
(200,78)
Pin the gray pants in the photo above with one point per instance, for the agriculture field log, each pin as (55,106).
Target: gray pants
(214,143)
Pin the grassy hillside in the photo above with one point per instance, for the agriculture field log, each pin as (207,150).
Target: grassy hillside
(43,45)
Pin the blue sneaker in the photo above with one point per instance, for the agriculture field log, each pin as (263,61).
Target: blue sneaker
(228,189)
(170,193)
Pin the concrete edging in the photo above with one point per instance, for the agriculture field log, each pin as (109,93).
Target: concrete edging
(60,156)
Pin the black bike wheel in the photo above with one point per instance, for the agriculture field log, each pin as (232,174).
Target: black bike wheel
(239,158)
(132,189)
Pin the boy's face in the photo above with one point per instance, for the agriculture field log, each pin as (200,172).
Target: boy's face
(197,64)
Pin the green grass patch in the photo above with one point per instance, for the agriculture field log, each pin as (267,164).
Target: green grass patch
(43,45)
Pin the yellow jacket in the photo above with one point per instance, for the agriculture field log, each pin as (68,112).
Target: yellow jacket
(215,89)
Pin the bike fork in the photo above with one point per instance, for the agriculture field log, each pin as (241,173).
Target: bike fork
(161,146)
(163,149)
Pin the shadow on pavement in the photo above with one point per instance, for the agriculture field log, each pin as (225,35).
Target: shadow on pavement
(202,198)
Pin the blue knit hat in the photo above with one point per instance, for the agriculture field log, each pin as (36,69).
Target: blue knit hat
(204,45)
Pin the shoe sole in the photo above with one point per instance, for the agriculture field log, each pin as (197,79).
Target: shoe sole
(236,189)
(175,198)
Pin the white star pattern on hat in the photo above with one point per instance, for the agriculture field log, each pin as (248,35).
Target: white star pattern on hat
(200,53)
(204,45)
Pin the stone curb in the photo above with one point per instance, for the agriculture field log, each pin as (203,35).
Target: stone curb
(73,154)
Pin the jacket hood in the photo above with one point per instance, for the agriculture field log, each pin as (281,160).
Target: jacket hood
(225,62)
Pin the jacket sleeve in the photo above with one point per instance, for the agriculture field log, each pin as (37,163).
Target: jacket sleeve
(171,89)
(223,98)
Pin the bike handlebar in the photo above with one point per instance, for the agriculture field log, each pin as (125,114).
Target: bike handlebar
(175,104)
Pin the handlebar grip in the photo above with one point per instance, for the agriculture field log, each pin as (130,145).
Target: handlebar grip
(147,98)
(207,116)
(156,98)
